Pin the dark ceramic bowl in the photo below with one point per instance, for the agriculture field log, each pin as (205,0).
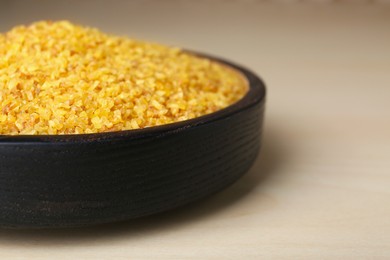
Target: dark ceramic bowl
(80,180)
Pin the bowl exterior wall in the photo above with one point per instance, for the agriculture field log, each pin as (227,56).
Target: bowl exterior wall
(76,184)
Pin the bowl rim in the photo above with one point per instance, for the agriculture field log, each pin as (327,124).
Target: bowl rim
(255,94)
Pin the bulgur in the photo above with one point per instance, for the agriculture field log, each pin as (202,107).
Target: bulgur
(61,78)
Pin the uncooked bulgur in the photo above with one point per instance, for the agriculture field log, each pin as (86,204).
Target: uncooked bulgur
(60,78)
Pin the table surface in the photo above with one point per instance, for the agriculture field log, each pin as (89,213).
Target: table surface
(321,186)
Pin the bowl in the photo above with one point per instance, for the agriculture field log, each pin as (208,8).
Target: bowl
(87,179)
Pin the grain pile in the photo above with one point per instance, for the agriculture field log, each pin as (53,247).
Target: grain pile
(60,78)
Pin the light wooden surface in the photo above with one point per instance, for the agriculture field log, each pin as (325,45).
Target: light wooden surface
(321,187)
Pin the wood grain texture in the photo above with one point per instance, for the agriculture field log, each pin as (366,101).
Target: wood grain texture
(320,188)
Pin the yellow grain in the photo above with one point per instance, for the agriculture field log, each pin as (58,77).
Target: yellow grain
(61,78)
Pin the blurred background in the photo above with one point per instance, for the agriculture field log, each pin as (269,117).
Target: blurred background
(321,184)
(317,48)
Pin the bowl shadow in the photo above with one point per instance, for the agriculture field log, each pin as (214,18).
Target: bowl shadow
(266,165)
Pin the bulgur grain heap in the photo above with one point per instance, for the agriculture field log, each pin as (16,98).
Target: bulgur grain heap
(59,78)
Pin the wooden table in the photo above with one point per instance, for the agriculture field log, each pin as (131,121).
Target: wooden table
(321,187)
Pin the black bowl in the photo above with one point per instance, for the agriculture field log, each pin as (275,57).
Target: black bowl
(80,180)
